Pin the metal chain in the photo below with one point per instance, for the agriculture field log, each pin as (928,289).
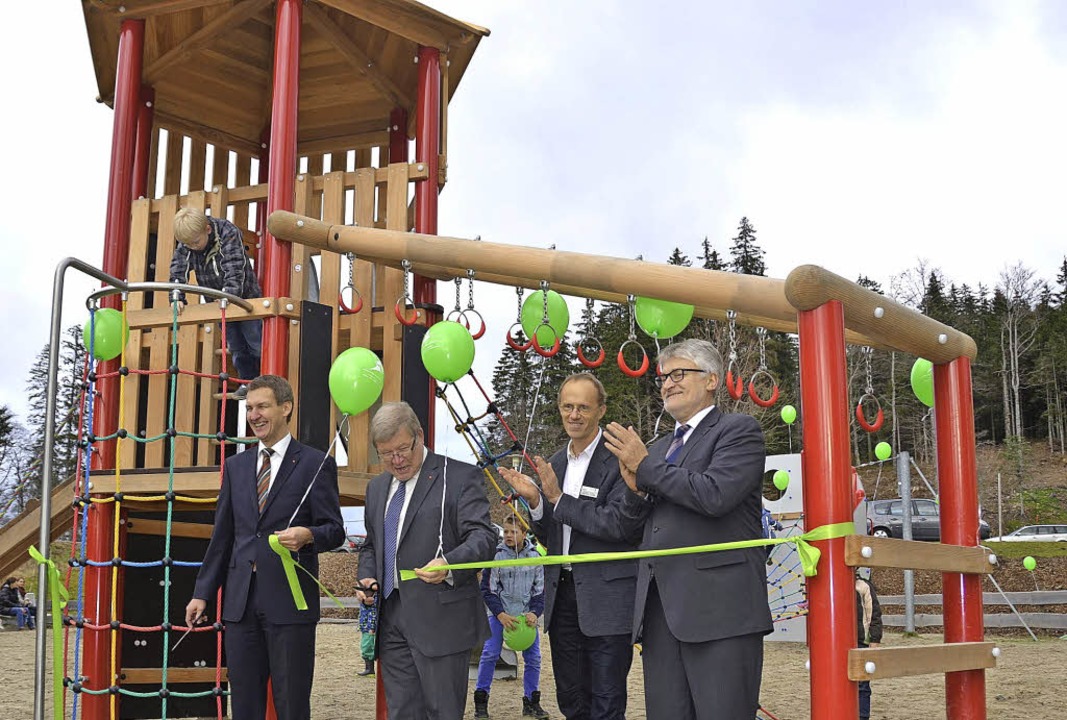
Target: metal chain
(470,289)
(731,316)
(761,333)
(518,313)
(867,352)
(544,302)
(631,300)
(351,269)
(406,266)
(459,283)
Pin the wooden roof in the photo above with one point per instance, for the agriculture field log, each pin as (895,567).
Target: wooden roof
(210,62)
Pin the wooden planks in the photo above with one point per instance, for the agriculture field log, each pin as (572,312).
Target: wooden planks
(914,555)
(175,675)
(889,662)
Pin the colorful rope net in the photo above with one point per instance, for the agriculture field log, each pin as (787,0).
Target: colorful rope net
(74,618)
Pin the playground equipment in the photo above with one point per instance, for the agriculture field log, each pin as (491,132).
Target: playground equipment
(223,77)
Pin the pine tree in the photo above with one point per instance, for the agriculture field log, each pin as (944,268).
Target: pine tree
(709,256)
(679,258)
(746,254)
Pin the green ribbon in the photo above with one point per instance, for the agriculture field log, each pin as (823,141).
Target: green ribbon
(809,555)
(290,565)
(59,596)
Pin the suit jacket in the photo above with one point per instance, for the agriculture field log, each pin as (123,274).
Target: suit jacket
(710,494)
(445,618)
(240,538)
(605,591)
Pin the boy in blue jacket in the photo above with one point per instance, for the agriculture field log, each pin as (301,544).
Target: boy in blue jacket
(510,592)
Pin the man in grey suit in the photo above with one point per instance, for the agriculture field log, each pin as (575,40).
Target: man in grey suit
(588,607)
(702,617)
(424,510)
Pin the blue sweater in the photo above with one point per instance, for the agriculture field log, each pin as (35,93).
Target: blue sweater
(514,590)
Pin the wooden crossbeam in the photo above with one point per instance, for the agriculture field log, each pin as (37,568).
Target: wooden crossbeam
(175,676)
(867,551)
(352,485)
(141,526)
(889,662)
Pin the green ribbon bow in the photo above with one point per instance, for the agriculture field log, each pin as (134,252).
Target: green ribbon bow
(809,555)
(59,596)
(290,565)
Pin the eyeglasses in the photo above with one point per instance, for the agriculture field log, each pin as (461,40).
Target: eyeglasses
(580,409)
(398,454)
(676,375)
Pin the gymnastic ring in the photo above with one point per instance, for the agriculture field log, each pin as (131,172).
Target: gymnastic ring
(537,346)
(879,417)
(587,362)
(736,390)
(457,316)
(357,298)
(401,314)
(466,321)
(523,347)
(755,396)
(626,369)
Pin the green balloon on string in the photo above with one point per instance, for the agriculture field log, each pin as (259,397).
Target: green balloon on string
(356,380)
(922,381)
(1029,563)
(533,313)
(781,480)
(448,351)
(107,332)
(662,319)
(789,414)
(522,636)
(883,450)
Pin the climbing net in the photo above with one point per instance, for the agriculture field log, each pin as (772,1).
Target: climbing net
(74,617)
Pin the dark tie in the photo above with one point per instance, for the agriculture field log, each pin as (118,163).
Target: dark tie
(677,442)
(263,477)
(392,532)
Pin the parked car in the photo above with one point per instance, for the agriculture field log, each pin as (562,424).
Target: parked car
(352,543)
(1035,533)
(885,518)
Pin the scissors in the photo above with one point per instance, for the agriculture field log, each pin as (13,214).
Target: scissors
(368,590)
(186,633)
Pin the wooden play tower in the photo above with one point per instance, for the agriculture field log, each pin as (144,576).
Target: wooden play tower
(324,98)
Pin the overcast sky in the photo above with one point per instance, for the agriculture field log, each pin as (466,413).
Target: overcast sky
(859,136)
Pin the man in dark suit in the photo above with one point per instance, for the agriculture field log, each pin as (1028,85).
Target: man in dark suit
(424,510)
(702,617)
(588,607)
(266,492)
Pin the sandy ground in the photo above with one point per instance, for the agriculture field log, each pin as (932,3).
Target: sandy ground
(1027,683)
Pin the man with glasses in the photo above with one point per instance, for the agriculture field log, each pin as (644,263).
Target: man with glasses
(424,510)
(701,617)
(588,607)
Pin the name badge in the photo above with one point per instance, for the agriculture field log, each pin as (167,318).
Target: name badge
(589,491)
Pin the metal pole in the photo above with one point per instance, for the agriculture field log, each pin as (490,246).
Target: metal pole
(44,537)
(904,489)
(1000,508)
(827,500)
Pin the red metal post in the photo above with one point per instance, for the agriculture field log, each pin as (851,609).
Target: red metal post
(281,176)
(428,151)
(958,481)
(828,500)
(99,539)
(143,144)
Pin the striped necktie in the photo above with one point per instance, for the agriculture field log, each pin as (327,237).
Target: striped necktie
(263,478)
(676,443)
(392,532)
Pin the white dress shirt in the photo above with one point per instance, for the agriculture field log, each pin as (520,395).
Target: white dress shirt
(279,449)
(409,490)
(577,467)
(693,422)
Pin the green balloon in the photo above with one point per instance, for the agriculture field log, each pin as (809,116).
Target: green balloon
(660,318)
(356,380)
(522,636)
(789,414)
(108,332)
(447,351)
(1029,563)
(781,480)
(883,450)
(922,381)
(559,317)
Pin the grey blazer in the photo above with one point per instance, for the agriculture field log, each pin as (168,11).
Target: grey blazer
(438,619)
(605,591)
(710,494)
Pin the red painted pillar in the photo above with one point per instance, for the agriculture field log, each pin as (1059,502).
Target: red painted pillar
(99,539)
(143,144)
(828,500)
(281,176)
(958,474)
(428,151)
